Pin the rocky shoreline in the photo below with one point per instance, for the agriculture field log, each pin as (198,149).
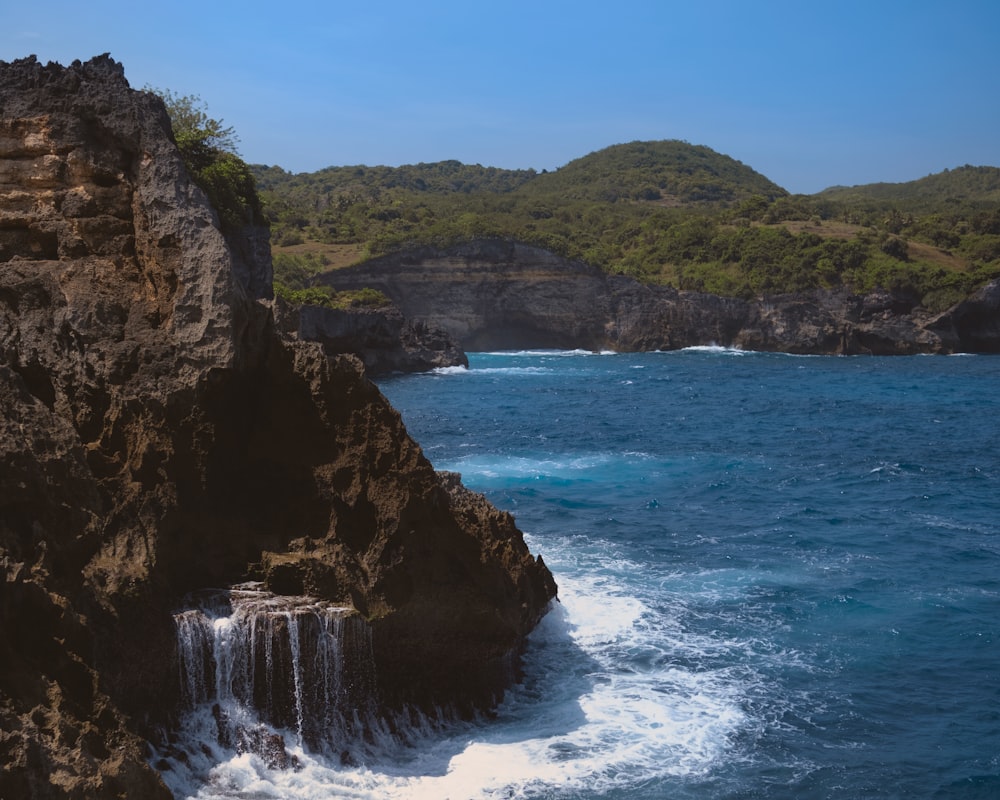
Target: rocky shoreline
(161,434)
(166,427)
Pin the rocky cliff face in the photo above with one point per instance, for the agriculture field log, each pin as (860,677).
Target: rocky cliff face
(503,295)
(159,435)
(975,321)
(382,338)
(492,294)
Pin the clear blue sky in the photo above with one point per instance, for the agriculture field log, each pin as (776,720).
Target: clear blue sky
(810,94)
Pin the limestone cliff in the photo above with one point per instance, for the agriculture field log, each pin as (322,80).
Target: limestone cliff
(382,338)
(159,435)
(501,295)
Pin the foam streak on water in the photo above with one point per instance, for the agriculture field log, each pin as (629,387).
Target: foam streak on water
(595,708)
(781,575)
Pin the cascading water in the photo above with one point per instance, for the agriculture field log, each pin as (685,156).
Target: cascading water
(270,676)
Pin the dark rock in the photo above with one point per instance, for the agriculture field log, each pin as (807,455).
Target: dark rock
(492,294)
(382,338)
(974,322)
(269,746)
(159,434)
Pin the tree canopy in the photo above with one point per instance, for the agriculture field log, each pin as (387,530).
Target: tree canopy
(208,148)
(663,212)
(194,130)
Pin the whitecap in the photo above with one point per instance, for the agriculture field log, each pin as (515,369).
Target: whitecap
(456,370)
(491,467)
(546,353)
(716,348)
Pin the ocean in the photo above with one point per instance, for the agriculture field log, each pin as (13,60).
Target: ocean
(779,577)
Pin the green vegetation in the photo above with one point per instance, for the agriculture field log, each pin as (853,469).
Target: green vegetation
(209,151)
(208,148)
(663,212)
(293,282)
(968,184)
(325,296)
(667,172)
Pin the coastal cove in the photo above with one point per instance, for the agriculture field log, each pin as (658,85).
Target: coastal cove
(301,528)
(778,574)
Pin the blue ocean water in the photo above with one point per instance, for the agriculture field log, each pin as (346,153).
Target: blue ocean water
(779,576)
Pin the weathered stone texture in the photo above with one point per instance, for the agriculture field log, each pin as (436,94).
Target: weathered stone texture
(159,434)
(501,295)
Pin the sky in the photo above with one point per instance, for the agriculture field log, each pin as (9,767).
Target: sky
(810,94)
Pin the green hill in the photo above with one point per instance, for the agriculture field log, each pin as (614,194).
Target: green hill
(443,177)
(664,212)
(671,172)
(965,185)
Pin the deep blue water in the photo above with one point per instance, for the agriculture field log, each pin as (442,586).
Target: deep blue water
(779,576)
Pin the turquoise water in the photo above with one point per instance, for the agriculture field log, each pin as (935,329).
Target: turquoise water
(779,576)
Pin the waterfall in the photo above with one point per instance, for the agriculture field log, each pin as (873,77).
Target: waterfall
(270,668)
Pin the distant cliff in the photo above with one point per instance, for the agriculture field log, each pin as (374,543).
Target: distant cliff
(493,294)
(159,435)
(382,338)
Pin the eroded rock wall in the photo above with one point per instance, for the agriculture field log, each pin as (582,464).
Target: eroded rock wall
(159,435)
(492,294)
(382,338)
(504,295)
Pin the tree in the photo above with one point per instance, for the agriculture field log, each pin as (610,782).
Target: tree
(196,133)
(208,148)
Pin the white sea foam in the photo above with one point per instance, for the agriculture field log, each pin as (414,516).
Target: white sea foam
(492,467)
(512,371)
(546,353)
(606,704)
(716,348)
(480,371)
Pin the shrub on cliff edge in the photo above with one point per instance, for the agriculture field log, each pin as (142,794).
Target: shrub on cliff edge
(208,148)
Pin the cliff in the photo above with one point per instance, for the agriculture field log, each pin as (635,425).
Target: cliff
(493,294)
(160,435)
(382,338)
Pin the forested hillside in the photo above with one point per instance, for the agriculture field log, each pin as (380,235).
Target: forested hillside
(670,172)
(968,184)
(663,212)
